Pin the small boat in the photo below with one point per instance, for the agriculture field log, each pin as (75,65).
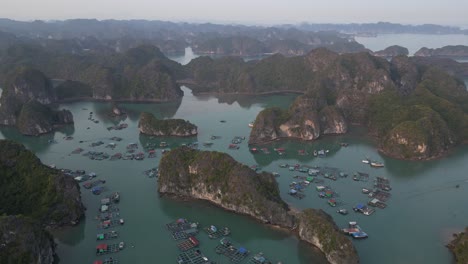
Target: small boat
(121,245)
(365,191)
(342,211)
(222,121)
(254,150)
(366,161)
(251,124)
(163,144)
(121,221)
(377,164)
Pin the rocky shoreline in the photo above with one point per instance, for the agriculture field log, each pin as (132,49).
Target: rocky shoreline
(219,179)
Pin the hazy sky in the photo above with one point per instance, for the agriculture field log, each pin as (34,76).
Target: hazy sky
(447,12)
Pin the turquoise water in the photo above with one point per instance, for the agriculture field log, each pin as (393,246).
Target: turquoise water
(413,42)
(423,212)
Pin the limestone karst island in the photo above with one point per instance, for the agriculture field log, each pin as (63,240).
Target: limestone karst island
(217,132)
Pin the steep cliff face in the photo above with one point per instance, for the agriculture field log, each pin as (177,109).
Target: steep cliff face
(318,228)
(49,197)
(23,103)
(22,240)
(274,123)
(423,138)
(150,125)
(459,247)
(406,74)
(332,121)
(218,178)
(25,84)
(35,119)
(142,73)
(304,120)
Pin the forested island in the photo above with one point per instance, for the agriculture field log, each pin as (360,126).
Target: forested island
(219,179)
(34,196)
(150,125)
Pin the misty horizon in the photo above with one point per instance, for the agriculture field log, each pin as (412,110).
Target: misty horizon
(262,12)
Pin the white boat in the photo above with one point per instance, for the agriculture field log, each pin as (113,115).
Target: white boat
(366,161)
(251,124)
(377,164)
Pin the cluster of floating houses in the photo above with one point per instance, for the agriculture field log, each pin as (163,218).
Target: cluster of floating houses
(235,142)
(282,151)
(377,191)
(131,153)
(109,219)
(185,235)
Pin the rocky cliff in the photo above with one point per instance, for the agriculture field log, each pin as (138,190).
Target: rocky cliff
(305,120)
(317,228)
(218,178)
(150,125)
(458,51)
(416,111)
(459,247)
(23,240)
(392,51)
(24,103)
(142,73)
(32,189)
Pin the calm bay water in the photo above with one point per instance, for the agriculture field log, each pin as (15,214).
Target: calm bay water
(424,210)
(413,42)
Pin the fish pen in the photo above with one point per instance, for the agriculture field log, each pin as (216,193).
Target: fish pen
(184,234)
(361,176)
(188,244)
(181,225)
(381,195)
(234,254)
(107,261)
(259,258)
(382,183)
(107,236)
(103,249)
(213,232)
(193,256)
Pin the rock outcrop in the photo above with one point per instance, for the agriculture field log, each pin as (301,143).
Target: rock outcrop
(392,51)
(317,228)
(416,111)
(306,119)
(25,103)
(49,197)
(459,247)
(458,51)
(150,125)
(219,179)
(23,240)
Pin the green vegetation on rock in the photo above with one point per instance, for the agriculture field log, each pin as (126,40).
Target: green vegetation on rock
(316,225)
(218,178)
(29,188)
(459,247)
(150,125)
(23,241)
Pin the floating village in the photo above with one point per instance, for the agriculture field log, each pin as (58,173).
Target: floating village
(186,234)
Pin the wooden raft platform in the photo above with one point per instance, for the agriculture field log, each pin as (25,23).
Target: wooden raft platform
(214,233)
(193,256)
(234,254)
